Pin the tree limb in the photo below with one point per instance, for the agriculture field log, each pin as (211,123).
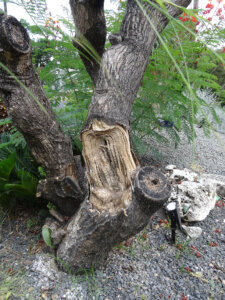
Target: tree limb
(31,113)
(90,36)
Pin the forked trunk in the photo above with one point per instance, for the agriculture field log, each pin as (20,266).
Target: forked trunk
(122,195)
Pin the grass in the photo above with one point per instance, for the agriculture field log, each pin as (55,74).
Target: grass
(12,283)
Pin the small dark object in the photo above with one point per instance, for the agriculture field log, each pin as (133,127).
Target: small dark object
(174,216)
(165,123)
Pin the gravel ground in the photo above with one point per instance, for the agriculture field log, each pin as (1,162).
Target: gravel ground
(144,267)
(209,153)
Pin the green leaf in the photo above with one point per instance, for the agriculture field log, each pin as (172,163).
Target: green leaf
(6,166)
(46,234)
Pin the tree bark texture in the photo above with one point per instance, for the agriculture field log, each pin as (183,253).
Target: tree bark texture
(90,36)
(122,196)
(36,121)
(196,4)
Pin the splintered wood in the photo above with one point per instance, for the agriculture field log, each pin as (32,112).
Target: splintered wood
(110,164)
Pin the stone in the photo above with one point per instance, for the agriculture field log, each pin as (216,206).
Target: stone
(57,230)
(57,236)
(196,194)
(199,198)
(46,266)
(184,174)
(170,167)
(193,232)
(218,180)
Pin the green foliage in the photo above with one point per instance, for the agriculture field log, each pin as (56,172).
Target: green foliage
(163,94)
(18,172)
(36,9)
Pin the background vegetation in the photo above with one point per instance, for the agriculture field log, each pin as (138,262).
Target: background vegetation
(188,51)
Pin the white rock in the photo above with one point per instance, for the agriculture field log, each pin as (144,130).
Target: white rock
(170,167)
(201,198)
(196,194)
(184,174)
(218,180)
(193,232)
(46,266)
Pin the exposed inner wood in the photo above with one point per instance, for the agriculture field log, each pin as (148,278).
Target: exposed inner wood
(152,182)
(110,165)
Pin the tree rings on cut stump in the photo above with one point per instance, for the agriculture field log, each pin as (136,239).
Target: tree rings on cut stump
(151,188)
(16,35)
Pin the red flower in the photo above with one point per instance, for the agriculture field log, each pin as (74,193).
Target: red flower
(219,12)
(179,246)
(210,5)
(206,12)
(213,244)
(217,230)
(163,222)
(127,244)
(144,236)
(40,242)
(220,203)
(197,254)
(10,271)
(188,269)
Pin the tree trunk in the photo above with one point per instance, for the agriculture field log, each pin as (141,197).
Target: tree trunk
(31,113)
(196,4)
(122,196)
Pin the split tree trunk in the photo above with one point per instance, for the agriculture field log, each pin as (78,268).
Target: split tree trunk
(122,196)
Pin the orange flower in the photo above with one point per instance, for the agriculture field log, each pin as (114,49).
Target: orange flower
(193,19)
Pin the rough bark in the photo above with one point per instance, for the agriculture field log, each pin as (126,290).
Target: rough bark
(122,195)
(36,121)
(90,36)
(92,233)
(196,4)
